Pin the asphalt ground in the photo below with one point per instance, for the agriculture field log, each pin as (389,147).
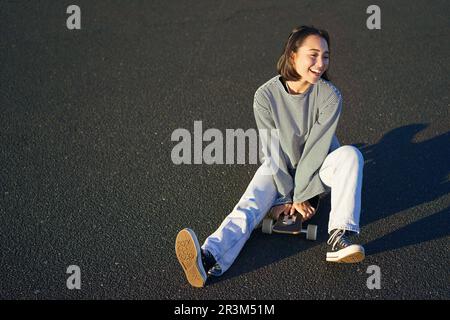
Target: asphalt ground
(86,175)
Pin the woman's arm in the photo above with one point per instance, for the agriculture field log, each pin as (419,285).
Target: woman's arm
(271,148)
(316,149)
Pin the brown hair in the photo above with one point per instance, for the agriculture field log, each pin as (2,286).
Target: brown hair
(295,40)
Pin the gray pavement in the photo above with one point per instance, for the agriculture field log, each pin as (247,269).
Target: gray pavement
(86,176)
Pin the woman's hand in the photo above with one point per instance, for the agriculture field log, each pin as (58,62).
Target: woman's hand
(305,209)
(276,211)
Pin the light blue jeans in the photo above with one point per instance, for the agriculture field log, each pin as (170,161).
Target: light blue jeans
(342,171)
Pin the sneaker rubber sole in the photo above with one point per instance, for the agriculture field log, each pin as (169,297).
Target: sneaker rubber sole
(352,254)
(188,253)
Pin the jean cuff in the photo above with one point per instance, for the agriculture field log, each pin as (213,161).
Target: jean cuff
(348,227)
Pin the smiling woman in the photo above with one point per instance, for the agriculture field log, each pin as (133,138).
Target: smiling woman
(305,58)
(302,108)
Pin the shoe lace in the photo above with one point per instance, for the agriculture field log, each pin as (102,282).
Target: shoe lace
(337,238)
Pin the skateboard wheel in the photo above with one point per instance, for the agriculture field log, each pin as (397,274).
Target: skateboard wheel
(311,232)
(267,226)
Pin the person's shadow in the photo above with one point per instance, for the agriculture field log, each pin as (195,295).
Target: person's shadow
(399,174)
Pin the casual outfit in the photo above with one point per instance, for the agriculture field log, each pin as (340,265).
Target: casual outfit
(302,158)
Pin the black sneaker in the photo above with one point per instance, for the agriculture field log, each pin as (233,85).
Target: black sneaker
(189,255)
(342,250)
(209,263)
(215,271)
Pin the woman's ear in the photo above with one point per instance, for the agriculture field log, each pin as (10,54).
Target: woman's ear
(292,58)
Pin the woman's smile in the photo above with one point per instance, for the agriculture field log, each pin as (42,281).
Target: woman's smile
(315,72)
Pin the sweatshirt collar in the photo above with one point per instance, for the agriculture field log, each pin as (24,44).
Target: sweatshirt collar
(294,96)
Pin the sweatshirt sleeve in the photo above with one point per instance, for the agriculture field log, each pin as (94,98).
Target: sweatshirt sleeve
(317,146)
(273,154)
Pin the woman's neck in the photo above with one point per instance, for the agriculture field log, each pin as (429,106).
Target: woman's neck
(297,87)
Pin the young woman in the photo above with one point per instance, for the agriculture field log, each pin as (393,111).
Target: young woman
(300,107)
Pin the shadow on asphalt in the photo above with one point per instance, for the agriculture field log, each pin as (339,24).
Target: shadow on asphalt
(399,174)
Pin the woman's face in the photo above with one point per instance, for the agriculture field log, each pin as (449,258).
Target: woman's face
(311,59)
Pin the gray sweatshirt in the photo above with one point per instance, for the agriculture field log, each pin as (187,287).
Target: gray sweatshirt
(305,129)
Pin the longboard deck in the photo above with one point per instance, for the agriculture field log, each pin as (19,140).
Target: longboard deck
(293,224)
(290,225)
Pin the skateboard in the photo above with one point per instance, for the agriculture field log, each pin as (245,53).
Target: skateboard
(291,224)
